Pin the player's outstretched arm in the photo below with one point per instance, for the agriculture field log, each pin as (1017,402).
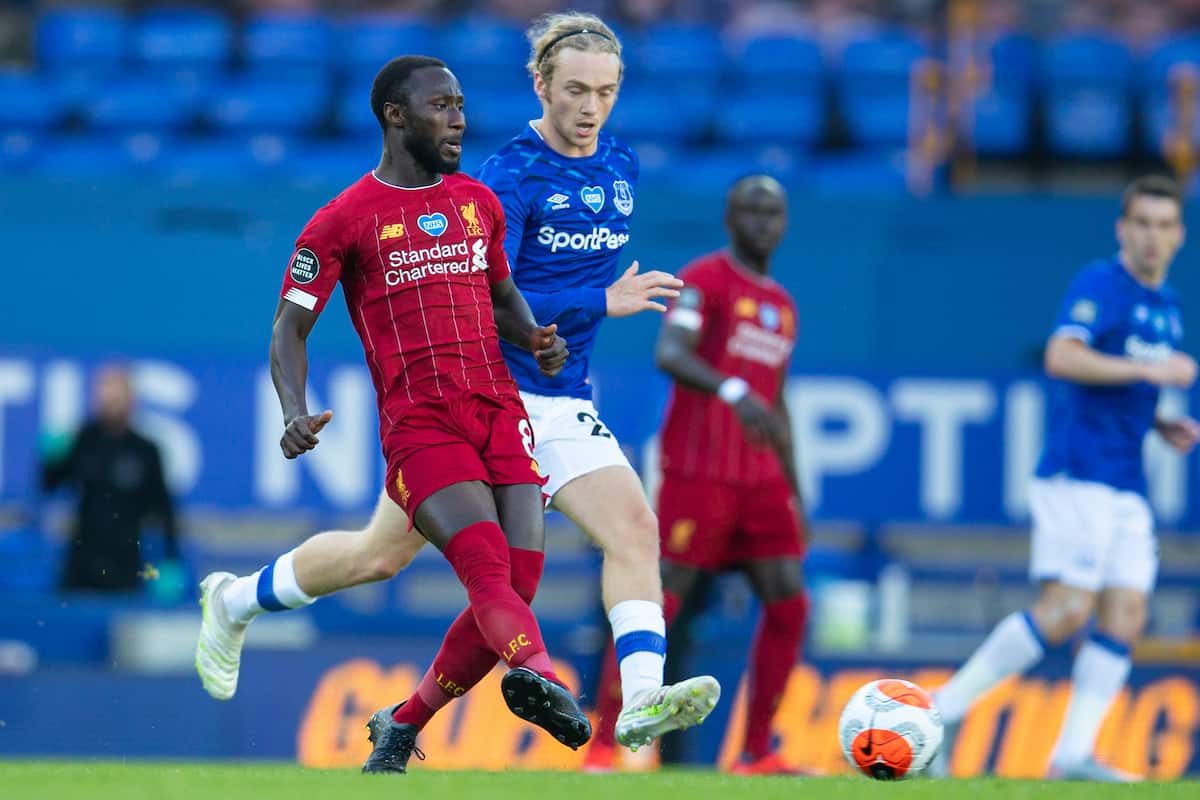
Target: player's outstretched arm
(675,354)
(289,373)
(515,324)
(1074,360)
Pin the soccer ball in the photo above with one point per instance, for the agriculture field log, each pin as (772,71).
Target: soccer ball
(890,729)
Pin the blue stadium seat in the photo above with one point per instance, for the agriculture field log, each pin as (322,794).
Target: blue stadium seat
(231,157)
(368,41)
(93,155)
(640,114)
(873,86)
(676,52)
(78,39)
(142,104)
(1003,114)
(1089,105)
(259,104)
(186,43)
(1169,58)
(19,150)
(289,46)
(754,119)
(866,172)
(487,53)
(500,114)
(354,116)
(773,63)
(29,102)
(335,163)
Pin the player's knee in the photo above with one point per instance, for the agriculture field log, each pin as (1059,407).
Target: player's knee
(1061,617)
(386,565)
(642,539)
(1124,621)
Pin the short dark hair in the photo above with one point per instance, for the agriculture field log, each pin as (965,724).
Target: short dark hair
(390,84)
(1151,186)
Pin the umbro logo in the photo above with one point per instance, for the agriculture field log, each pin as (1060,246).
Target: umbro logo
(558,201)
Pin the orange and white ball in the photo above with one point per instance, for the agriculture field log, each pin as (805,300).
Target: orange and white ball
(890,729)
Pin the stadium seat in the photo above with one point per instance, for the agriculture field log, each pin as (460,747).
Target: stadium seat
(29,102)
(188,44)
(258,104)
(676,54)
(641,113)
(231,157)
(1003,113)
(336,163)
(1169,58)
(756,119)
(368,41)
(89,39)
(866,172)
(102,155)
(19,151)
(778,63)
(500,114)
(1088,102)
(488,54)
(289,46)
(873,86)
(354,115)
(142,104)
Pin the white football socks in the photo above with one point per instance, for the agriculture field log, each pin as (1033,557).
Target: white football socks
(640,634)
(1013,646)
(272,588)
(1101,669)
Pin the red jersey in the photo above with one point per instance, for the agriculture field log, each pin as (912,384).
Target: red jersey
(747,326)
(416,267)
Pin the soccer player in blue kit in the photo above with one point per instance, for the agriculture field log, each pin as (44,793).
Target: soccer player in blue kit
(567,189)
(1115,343)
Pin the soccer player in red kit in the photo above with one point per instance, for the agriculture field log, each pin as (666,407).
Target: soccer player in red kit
(729,497)
(419,250)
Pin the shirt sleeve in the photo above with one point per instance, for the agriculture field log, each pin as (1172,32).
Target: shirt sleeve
(317,262)
(514,208)
(1087,310)
(689,310)
(497,256)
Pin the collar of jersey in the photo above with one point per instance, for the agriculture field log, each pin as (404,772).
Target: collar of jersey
(741,269)
(406,188)
(541,142)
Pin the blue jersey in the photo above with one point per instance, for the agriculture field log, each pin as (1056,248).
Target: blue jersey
(1095,432)
(568,219)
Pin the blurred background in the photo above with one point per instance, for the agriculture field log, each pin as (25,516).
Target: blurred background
(951,164)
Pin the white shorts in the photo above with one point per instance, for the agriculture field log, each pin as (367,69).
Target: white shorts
(569,439)
(1091,536)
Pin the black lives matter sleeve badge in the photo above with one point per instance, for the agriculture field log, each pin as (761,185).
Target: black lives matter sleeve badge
(305,266)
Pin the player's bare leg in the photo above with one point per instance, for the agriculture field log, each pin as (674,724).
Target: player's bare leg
(1100,670)
(779,586)
(1016,643)
(323,564)
(610,506)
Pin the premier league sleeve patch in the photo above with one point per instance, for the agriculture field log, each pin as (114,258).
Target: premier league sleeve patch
(305,266)
(1084,312)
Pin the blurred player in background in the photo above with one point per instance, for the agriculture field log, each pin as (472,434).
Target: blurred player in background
(568,191)
(730,497)
(1115,343)
(419,250)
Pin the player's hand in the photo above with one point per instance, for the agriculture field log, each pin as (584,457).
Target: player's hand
(300,435)
(1178,370)
(1182,434)
(760,421)
(549,349)
(633,293)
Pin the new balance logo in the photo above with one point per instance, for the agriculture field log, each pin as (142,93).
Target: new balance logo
(393,231)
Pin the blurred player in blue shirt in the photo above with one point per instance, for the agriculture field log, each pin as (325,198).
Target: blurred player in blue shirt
(1115,344)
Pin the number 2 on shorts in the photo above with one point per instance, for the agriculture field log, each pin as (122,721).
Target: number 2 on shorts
(598,428)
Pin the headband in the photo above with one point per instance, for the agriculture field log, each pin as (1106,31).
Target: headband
(562,36)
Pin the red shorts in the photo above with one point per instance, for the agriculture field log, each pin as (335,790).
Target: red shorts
(467,438)
(713,525)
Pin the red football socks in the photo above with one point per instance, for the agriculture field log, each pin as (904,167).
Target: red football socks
(772,656)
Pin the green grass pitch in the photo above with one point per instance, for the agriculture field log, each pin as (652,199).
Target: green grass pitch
(32,780)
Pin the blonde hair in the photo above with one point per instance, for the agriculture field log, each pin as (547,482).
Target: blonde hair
(550,34)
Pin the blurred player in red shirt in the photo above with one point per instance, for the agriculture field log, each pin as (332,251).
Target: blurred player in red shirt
(419,250)
(730,498)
